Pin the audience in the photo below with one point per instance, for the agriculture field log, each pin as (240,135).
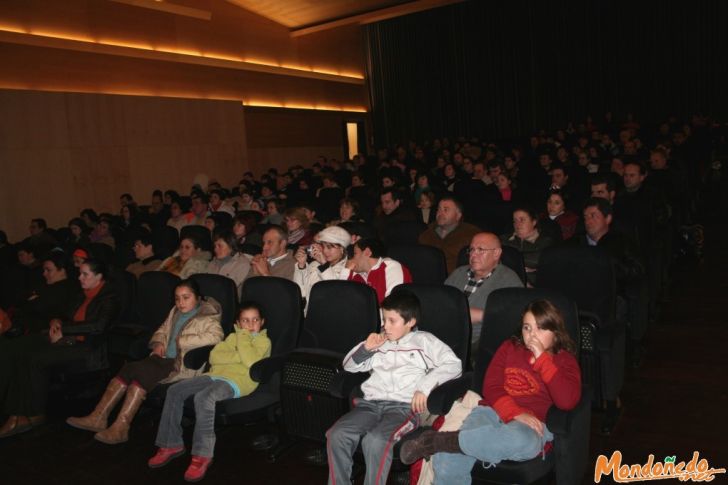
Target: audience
(329,259)
(144,254)
(483,275)
(228,378)
(228,261)
(449,233)
(369,266)
(275,259)
(73,337)
(645,187)
(192,323)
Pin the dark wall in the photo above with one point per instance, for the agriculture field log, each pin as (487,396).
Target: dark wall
(501,69)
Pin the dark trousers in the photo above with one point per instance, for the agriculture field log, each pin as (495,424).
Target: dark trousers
(148,372)
(25,365)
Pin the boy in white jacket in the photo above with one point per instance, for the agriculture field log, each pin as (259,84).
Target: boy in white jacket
(405,365)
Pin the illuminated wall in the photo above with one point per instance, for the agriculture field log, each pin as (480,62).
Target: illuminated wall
(196,90)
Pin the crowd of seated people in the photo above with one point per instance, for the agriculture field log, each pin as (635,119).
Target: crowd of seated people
(629,189)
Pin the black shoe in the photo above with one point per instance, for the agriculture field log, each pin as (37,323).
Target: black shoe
(637,356)
(264,442)
(317,457)
(611,417)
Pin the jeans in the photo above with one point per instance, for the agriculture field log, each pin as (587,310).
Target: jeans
(379,425)
(207,392)
(483,436)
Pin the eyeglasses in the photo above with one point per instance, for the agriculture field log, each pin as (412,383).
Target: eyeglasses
(479,251)
(250,320)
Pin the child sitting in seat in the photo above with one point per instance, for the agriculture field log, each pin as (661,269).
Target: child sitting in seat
(405,365)
(229,377)
(528,374)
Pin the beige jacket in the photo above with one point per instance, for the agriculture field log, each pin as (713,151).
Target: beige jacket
(201,330)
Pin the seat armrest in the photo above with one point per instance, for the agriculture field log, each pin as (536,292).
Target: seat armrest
(443,396)
(571,448)
(343,383)
(264,370)
(196,358)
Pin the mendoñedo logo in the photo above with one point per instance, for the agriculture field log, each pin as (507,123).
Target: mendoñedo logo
(696,470)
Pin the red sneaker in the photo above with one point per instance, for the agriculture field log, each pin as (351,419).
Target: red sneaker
(197,469)
(164,456)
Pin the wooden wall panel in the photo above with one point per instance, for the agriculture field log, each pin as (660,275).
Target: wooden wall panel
(62,152)
(282,158)
(281,138)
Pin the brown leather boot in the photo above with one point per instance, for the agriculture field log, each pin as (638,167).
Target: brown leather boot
(427,444)
(97,420)
(9,427)
(119,431)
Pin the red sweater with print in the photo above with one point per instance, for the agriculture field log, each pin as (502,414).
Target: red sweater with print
(513,385)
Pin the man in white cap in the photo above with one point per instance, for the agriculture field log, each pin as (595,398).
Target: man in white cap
(328,254)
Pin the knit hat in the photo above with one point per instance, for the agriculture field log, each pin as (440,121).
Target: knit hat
(335,235)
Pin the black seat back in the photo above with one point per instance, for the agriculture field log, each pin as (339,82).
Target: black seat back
(281,302)
(165,240)
(222,289)
(582,273)
(155,297)
(406,232)
(426,263)
(445,314)
(340,315)
(513,258)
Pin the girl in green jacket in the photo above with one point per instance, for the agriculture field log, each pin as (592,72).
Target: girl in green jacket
(229,377)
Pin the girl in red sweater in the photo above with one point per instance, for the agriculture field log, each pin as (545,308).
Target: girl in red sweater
(528,374)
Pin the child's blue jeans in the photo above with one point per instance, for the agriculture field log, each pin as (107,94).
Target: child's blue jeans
(483,436)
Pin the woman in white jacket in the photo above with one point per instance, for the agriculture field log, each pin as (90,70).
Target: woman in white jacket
(329,259)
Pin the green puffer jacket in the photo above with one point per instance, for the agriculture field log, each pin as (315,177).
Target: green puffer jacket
(233,357)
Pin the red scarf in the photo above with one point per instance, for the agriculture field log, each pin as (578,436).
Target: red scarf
(80,314)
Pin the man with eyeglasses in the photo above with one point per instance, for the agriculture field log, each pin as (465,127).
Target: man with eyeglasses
(481,276)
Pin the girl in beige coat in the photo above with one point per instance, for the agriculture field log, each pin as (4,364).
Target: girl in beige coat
(192,323)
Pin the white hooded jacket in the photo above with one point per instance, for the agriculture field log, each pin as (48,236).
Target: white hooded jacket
(419,361)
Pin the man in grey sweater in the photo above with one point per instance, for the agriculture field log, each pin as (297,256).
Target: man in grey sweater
(481,276)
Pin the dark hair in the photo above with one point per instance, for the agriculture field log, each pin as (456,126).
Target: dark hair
(192,285)
(157,193)
(59,259)
(126,196)
(220,193)
(97,267)
(144,237)
(282,232)
(375,246)
(528,210)
(602,204)
(455,201)
(603,178)
(250,305)
(405,303)
(350,202)
(3,237)
(41,223)
(548,317)
(200,195)
(173,194)
(193,239)
(396,194)
(77,221)
(29,248)
(640,165)
(91,214)
(228,237)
